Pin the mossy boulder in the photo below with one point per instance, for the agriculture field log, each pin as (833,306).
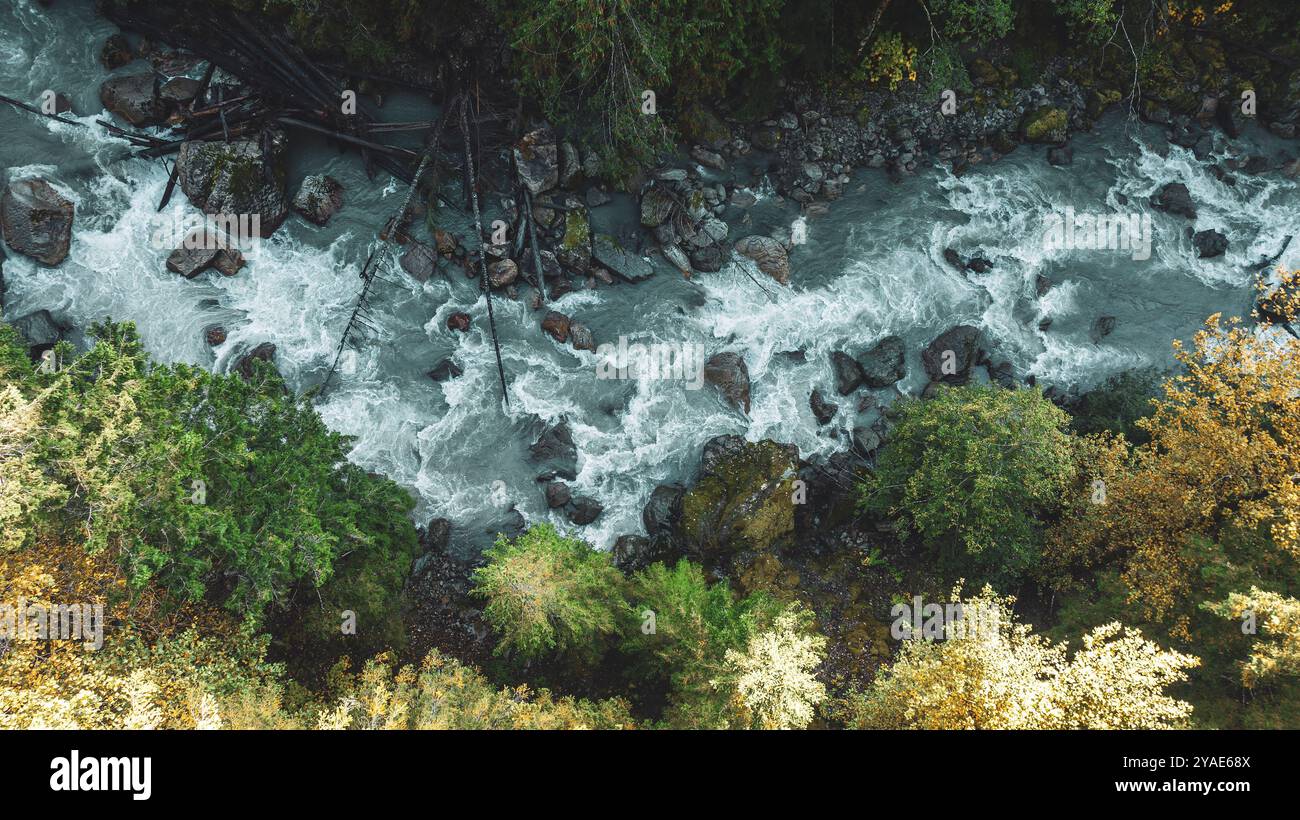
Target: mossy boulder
(244,177)
(1045,124)
(743,499)
(1101,99)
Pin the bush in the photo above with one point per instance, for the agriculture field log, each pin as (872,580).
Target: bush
(973,471)
(549,593)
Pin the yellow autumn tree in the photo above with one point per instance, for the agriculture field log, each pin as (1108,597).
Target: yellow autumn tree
(445,694)
(1223,459)
(774,677)
(992,672)
(1275,622)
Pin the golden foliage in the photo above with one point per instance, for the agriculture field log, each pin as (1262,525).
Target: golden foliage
(1002,676)
(1224,453)
(1277,618)
(445,694)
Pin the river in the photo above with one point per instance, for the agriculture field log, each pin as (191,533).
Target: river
(871,267)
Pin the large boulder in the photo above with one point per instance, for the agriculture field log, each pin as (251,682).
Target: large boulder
(203,249)
(728,372)
(133,99)
(848,373)
(319,197)
(662,512)
(242,178)
(537,159)
(743,501)
(1045,124)
(1174,198)
(1209,244)
(768,254)
(883,364)
(950,357)
(39,329)
(37,220)
(556,452)
(624,264)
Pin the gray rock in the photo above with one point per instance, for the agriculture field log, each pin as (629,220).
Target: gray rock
(39,329)
(557,494)
(37,220)
(583,510)
(537,159)
(883,364)
(581,337)
(132,98)
(319,197)
(203,249)
(662,511)
(555,449)
(822,410)
(419,260)
(708,259)
(1209,244)
(1174,198)
(768,254)
(238,178)
(950,357)
(622,263)
(848,373)
(728,372)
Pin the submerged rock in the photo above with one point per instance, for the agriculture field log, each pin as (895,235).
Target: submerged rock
(37,220)
(1101,328)
(264,352)
(445,370)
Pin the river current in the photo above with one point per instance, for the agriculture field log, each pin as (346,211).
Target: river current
(871,267)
